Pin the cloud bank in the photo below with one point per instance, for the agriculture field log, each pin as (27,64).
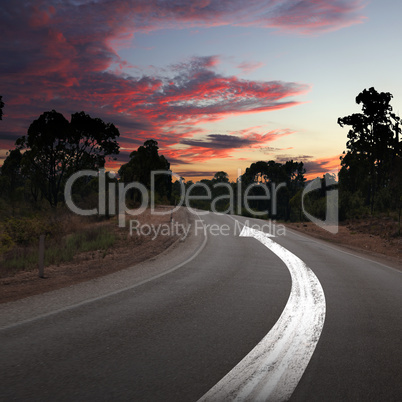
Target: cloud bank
(63,55)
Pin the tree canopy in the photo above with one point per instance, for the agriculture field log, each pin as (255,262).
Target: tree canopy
(55,148)
(288,175)
(373,146)
(220,177)
(11,177)
(143,161)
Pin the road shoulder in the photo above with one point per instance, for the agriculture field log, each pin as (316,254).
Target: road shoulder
(370,246)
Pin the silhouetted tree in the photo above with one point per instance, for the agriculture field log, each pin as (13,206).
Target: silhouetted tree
(56,148)
(220,177)
(1,108)
(142,162)
(373,145)
(272,173)
(11,177)
(222,192)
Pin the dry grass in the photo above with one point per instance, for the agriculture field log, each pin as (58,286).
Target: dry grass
(66,236)
(126,251)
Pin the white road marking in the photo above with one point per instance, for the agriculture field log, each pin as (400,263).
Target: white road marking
(272,370)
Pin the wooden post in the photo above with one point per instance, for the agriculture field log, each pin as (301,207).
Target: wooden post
(41,256)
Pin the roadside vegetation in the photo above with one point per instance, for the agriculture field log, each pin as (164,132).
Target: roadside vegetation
(66,236)
(34,174)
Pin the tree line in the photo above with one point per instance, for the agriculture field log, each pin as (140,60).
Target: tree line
(54,148)
(266,189)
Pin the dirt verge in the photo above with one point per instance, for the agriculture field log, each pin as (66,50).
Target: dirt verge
(376,237)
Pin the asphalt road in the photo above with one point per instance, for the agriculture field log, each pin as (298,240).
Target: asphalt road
(173,335)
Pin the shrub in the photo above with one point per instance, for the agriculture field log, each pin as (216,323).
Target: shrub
(24,231)
(6,243)
(26,257)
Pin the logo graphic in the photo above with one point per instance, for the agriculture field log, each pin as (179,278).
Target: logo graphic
(112,198)
(331,223)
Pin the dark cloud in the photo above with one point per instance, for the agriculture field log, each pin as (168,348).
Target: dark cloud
(314,167)
(321,166)
(8,136)
(7,140)
(270,150)
(191,173)
(123,156)
(299,158)
(311,16)
(219,141)
(174,160)
(128,140)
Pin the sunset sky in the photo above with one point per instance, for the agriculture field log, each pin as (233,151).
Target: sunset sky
(219,84)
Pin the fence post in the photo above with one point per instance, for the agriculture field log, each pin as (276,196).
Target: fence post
(41,256)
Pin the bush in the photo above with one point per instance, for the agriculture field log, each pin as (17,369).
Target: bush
(383,200)
(6,243)
(315,204)
(26,257)
(352,205)
(24,231)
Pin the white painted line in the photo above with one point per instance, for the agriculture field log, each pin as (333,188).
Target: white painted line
(272,370)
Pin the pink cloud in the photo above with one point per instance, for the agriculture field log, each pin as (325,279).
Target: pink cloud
(313,16)
(63,56)
(248,67)
(164,108)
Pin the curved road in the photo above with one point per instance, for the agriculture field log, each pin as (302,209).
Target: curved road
(172,329)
